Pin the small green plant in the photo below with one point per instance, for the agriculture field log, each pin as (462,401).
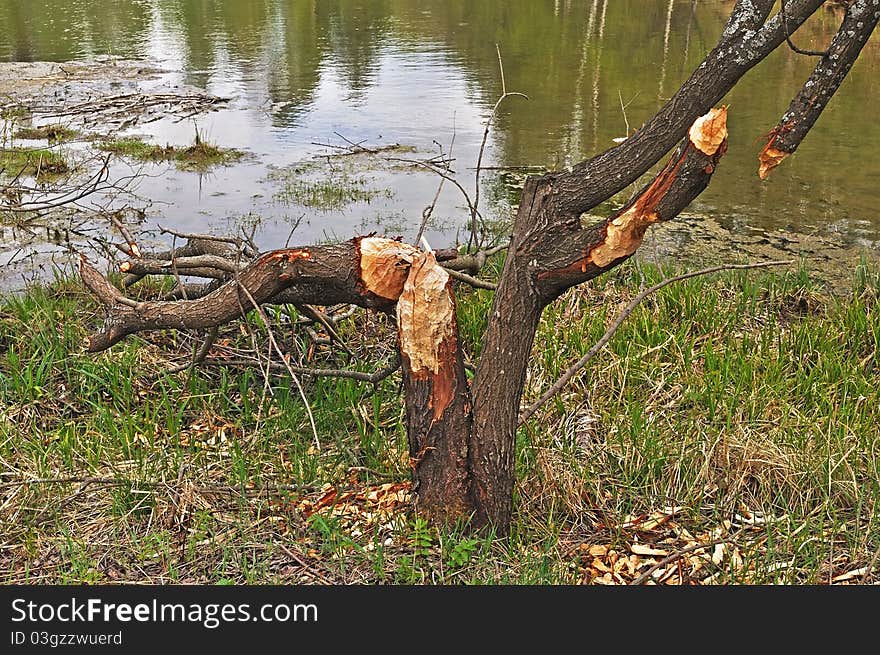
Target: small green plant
(200,156)
(335,189)
(53,133)
(40,163)
(422,539)
(461,552)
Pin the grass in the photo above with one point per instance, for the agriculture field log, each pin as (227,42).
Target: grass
(199,156)
(335,188)
(52,133)
(739,405)
(39,163)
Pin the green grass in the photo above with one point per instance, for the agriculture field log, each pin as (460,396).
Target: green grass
(52,133)
(737,395)
(335,188)
(200,156)
(39,163)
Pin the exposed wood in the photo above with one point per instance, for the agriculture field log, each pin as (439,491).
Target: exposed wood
(462,439)
(541,266)
(437,395)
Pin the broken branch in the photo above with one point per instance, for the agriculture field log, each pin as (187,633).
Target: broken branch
(806,107)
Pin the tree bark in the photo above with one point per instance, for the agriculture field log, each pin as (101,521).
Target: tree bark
(462,440)
(545,259)
(857,26)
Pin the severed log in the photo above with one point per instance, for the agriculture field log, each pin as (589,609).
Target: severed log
(368,272)
(371,272)
(858,23)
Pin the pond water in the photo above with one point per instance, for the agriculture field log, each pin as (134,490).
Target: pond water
(425,74)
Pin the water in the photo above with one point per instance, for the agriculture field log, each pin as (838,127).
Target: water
(426,72)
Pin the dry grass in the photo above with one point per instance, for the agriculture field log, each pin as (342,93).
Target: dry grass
(738,411)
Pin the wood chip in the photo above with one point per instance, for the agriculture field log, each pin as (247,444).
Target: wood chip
(645,549)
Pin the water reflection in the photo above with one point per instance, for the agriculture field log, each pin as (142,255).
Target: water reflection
(414,70)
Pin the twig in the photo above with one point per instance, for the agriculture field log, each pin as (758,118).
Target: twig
(605,338)
(319,317)
(467,279)
(676,556)
(133,250)
(426,213)
(299,560)
(870,566)
(274,345)
(198,356)
(489,121)
(810,53)
(444,173)
(74,480)
(372,378)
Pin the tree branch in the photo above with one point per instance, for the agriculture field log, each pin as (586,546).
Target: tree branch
(592,181)
(367,272)
(571,254)
(858,24)
(791,45)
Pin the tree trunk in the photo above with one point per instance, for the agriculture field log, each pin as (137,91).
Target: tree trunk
(462,440)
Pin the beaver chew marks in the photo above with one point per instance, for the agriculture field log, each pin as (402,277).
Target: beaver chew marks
(709,131)
(425,315)
(384,265)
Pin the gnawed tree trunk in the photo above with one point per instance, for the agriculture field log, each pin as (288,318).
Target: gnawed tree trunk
(438,402)
(554,254)
(462,439)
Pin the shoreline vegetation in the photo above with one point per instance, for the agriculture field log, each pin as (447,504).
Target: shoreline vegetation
(198,156)
(726,435)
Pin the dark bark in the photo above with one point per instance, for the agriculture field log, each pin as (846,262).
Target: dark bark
(597,179)
(500,377)
(545,259)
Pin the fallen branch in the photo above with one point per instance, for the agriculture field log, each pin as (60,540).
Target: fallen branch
(605,338)
(467,279)
(372,378)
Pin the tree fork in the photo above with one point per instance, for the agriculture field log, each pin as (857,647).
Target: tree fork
(542,263)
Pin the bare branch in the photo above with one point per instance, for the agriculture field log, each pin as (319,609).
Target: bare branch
(372,378)
(504,95)
(792,46)
(467,279)
(605,338)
